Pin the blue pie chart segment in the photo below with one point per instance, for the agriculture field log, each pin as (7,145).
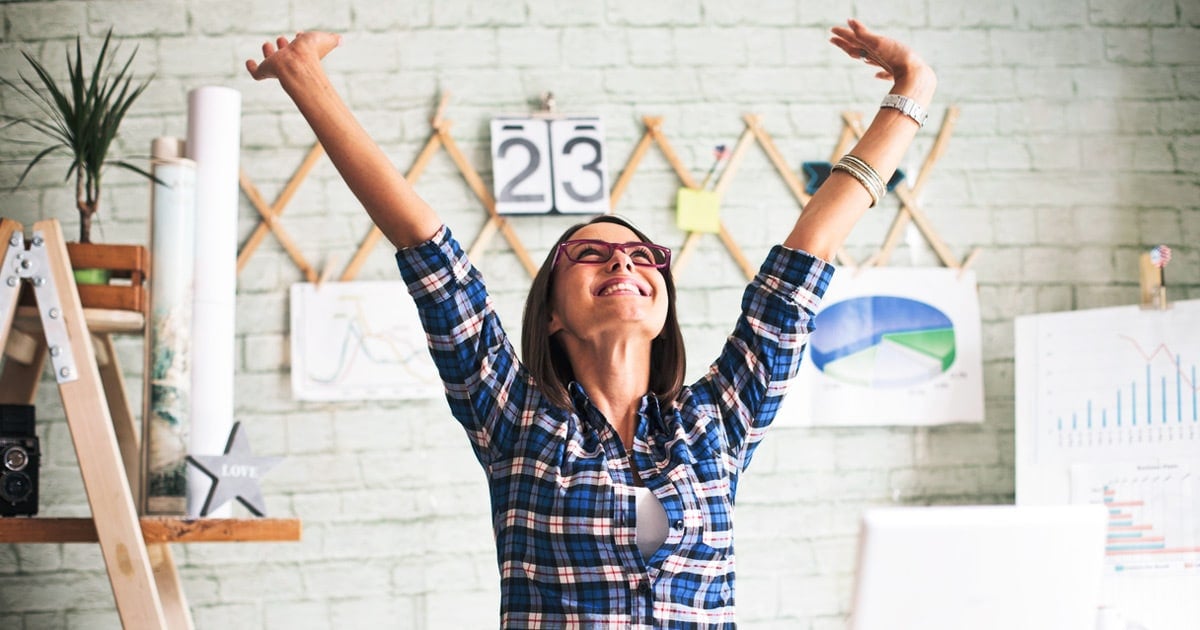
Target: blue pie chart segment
(882,341)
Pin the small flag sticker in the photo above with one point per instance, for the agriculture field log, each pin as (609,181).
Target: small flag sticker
(1160,256)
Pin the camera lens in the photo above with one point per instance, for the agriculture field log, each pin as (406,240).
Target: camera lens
(17,487)
(16,458)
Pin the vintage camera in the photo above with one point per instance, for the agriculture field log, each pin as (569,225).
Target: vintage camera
(19,459)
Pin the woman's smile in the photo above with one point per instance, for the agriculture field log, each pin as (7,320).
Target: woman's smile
(623,286)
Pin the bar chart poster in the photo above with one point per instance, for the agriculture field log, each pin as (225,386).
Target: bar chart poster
(1153,514)
(359,341)
(892,346)
(1102,386)
(1152,547)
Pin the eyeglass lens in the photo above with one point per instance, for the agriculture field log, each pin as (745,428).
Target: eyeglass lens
(599,252)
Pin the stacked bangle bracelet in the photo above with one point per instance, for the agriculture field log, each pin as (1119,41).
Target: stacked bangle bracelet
(865,174)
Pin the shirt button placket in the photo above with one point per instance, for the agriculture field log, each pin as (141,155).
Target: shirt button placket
(643,602)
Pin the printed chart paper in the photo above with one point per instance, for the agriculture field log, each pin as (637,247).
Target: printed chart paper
(892,346)
(359,341)
(1102,386)
(1108,411)
(1103,394)
(1153,511)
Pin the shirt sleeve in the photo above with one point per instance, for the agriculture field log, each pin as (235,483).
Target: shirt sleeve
(748,379)
(486,385)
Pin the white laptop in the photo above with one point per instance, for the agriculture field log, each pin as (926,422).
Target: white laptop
(998,567)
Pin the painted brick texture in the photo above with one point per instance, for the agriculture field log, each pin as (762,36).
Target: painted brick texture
(1076,149)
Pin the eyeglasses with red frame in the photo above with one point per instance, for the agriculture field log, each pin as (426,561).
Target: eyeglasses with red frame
(596,252)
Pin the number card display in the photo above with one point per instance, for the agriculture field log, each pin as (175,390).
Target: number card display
(542,165)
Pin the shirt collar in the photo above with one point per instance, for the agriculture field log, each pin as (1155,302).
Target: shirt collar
(649,407)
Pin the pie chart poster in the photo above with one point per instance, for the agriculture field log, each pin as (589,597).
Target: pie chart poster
(892,346)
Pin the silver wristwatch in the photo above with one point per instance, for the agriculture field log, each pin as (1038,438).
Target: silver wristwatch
(907,106)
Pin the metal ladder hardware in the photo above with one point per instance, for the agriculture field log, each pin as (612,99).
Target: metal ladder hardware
(33,265)
(145,596)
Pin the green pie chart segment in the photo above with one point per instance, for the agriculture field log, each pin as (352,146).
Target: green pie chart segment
(882,341)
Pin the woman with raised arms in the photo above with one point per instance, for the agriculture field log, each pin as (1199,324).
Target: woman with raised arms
(612,483)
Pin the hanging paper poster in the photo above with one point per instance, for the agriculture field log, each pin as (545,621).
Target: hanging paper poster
(359,341)
(1107,407)
(1102,386)
(1153,514)
(892,346)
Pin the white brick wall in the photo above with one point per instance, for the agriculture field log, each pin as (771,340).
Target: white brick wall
(1077,149)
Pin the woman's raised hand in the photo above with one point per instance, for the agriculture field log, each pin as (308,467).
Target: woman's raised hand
(282,56)
(895,61)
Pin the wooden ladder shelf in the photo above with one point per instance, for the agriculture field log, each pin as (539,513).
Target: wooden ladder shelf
(140,566)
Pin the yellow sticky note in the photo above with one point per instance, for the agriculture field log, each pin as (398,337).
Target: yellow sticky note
(698,210)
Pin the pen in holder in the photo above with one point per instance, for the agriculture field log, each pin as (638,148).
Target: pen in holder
(1153,276)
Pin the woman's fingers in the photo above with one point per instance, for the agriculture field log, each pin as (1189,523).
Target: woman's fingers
(325,42)
(856,51)
(304,46)
(270,48)
(866,36)
(847,46)
(860,29)
(860,42)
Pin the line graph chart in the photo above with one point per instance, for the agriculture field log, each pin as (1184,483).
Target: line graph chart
(358,341)
(1121,382)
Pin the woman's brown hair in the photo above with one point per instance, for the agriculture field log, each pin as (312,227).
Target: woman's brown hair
(544,355)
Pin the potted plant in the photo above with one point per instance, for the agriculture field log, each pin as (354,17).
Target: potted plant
(81,118)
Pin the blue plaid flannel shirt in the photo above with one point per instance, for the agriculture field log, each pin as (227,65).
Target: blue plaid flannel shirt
(562,492)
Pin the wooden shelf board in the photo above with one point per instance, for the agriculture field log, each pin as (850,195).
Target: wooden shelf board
(99,320)
(155,529)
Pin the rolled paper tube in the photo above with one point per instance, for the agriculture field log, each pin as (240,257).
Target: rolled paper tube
(213,142)
(167,148)
(167,395)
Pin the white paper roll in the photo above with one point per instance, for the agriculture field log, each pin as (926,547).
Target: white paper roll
(166,148)
(214,143)
(168,380)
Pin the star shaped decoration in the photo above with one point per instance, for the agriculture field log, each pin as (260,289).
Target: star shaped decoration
(235,475)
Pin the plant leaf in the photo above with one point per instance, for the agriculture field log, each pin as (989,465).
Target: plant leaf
(56,97)
(38,158)
(81,115)
(32,94)
(139,170)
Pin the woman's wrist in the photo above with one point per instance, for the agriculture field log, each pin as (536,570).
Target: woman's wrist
(301,79)
(294,70)
(917,83)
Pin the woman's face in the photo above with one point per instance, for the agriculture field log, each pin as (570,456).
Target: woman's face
(616,298)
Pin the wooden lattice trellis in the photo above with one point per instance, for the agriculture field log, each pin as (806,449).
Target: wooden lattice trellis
(754,132)
(269,215)
(910,208)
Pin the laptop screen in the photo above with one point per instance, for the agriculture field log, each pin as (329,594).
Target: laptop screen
(979,567)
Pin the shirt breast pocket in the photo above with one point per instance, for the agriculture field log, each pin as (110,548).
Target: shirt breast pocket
(711,497)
